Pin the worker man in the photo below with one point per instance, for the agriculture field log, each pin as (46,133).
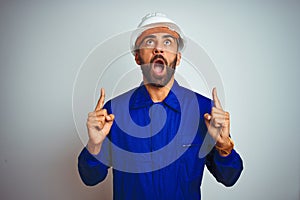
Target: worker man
(151,135)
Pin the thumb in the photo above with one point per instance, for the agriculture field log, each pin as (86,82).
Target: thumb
(109,121)
(110,118)
(207,118)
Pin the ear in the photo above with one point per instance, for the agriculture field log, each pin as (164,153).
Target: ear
(136,57)
(178,59)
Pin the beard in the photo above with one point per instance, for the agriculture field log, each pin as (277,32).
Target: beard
(151,77)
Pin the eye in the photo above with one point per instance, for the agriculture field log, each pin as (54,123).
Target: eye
(167,42)
(149,42)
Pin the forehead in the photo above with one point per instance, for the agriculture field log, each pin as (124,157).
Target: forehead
(156,31)
(158,36)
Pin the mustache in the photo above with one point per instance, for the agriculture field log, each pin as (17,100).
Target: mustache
(159,56)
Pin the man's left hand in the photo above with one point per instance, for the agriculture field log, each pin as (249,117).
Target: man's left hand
(218,126)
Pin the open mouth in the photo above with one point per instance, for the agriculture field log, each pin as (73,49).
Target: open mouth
(158,66)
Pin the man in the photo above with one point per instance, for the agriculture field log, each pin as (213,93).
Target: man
(177,131)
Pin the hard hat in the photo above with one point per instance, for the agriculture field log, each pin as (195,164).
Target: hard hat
(153,20)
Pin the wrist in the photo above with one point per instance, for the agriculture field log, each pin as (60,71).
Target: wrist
(93,148)
(225,148)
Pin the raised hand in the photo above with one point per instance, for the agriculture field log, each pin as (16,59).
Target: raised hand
(99,123)
(218,126)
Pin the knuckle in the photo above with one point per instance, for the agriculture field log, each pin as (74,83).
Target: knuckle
(90,114)
(214,121)
(215,110)
(88,124)
(101,119)
(89,118)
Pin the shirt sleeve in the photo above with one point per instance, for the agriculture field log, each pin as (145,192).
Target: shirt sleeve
(226,170)
(91,170)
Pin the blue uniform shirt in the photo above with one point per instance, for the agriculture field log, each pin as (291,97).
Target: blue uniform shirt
(162,162)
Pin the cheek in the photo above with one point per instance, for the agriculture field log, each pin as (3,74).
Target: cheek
(171,58)
(145,55)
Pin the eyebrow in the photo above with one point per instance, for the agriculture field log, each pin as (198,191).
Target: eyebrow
(154,36)
(169,36)
(164,36)
(147,37)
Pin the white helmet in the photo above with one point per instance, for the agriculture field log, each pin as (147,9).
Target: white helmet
(153,20)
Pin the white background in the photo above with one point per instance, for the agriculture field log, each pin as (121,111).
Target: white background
(255,46)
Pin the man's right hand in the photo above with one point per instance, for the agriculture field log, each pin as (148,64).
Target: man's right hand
(98,124)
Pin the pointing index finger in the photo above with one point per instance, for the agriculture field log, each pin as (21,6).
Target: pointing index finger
(101,100)
(216,99)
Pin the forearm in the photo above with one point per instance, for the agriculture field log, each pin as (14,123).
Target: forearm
(91,170)
(227,169)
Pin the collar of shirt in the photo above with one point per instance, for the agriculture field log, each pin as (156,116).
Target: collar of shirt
(141,98)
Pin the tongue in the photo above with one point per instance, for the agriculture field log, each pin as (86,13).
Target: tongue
(158,68)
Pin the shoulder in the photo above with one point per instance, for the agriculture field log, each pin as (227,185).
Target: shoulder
(203,103)
(125,95)
(121,99)
(187,93)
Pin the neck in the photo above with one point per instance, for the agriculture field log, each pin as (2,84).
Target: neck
(158,94)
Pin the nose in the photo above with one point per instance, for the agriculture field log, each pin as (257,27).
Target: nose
(158,50)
